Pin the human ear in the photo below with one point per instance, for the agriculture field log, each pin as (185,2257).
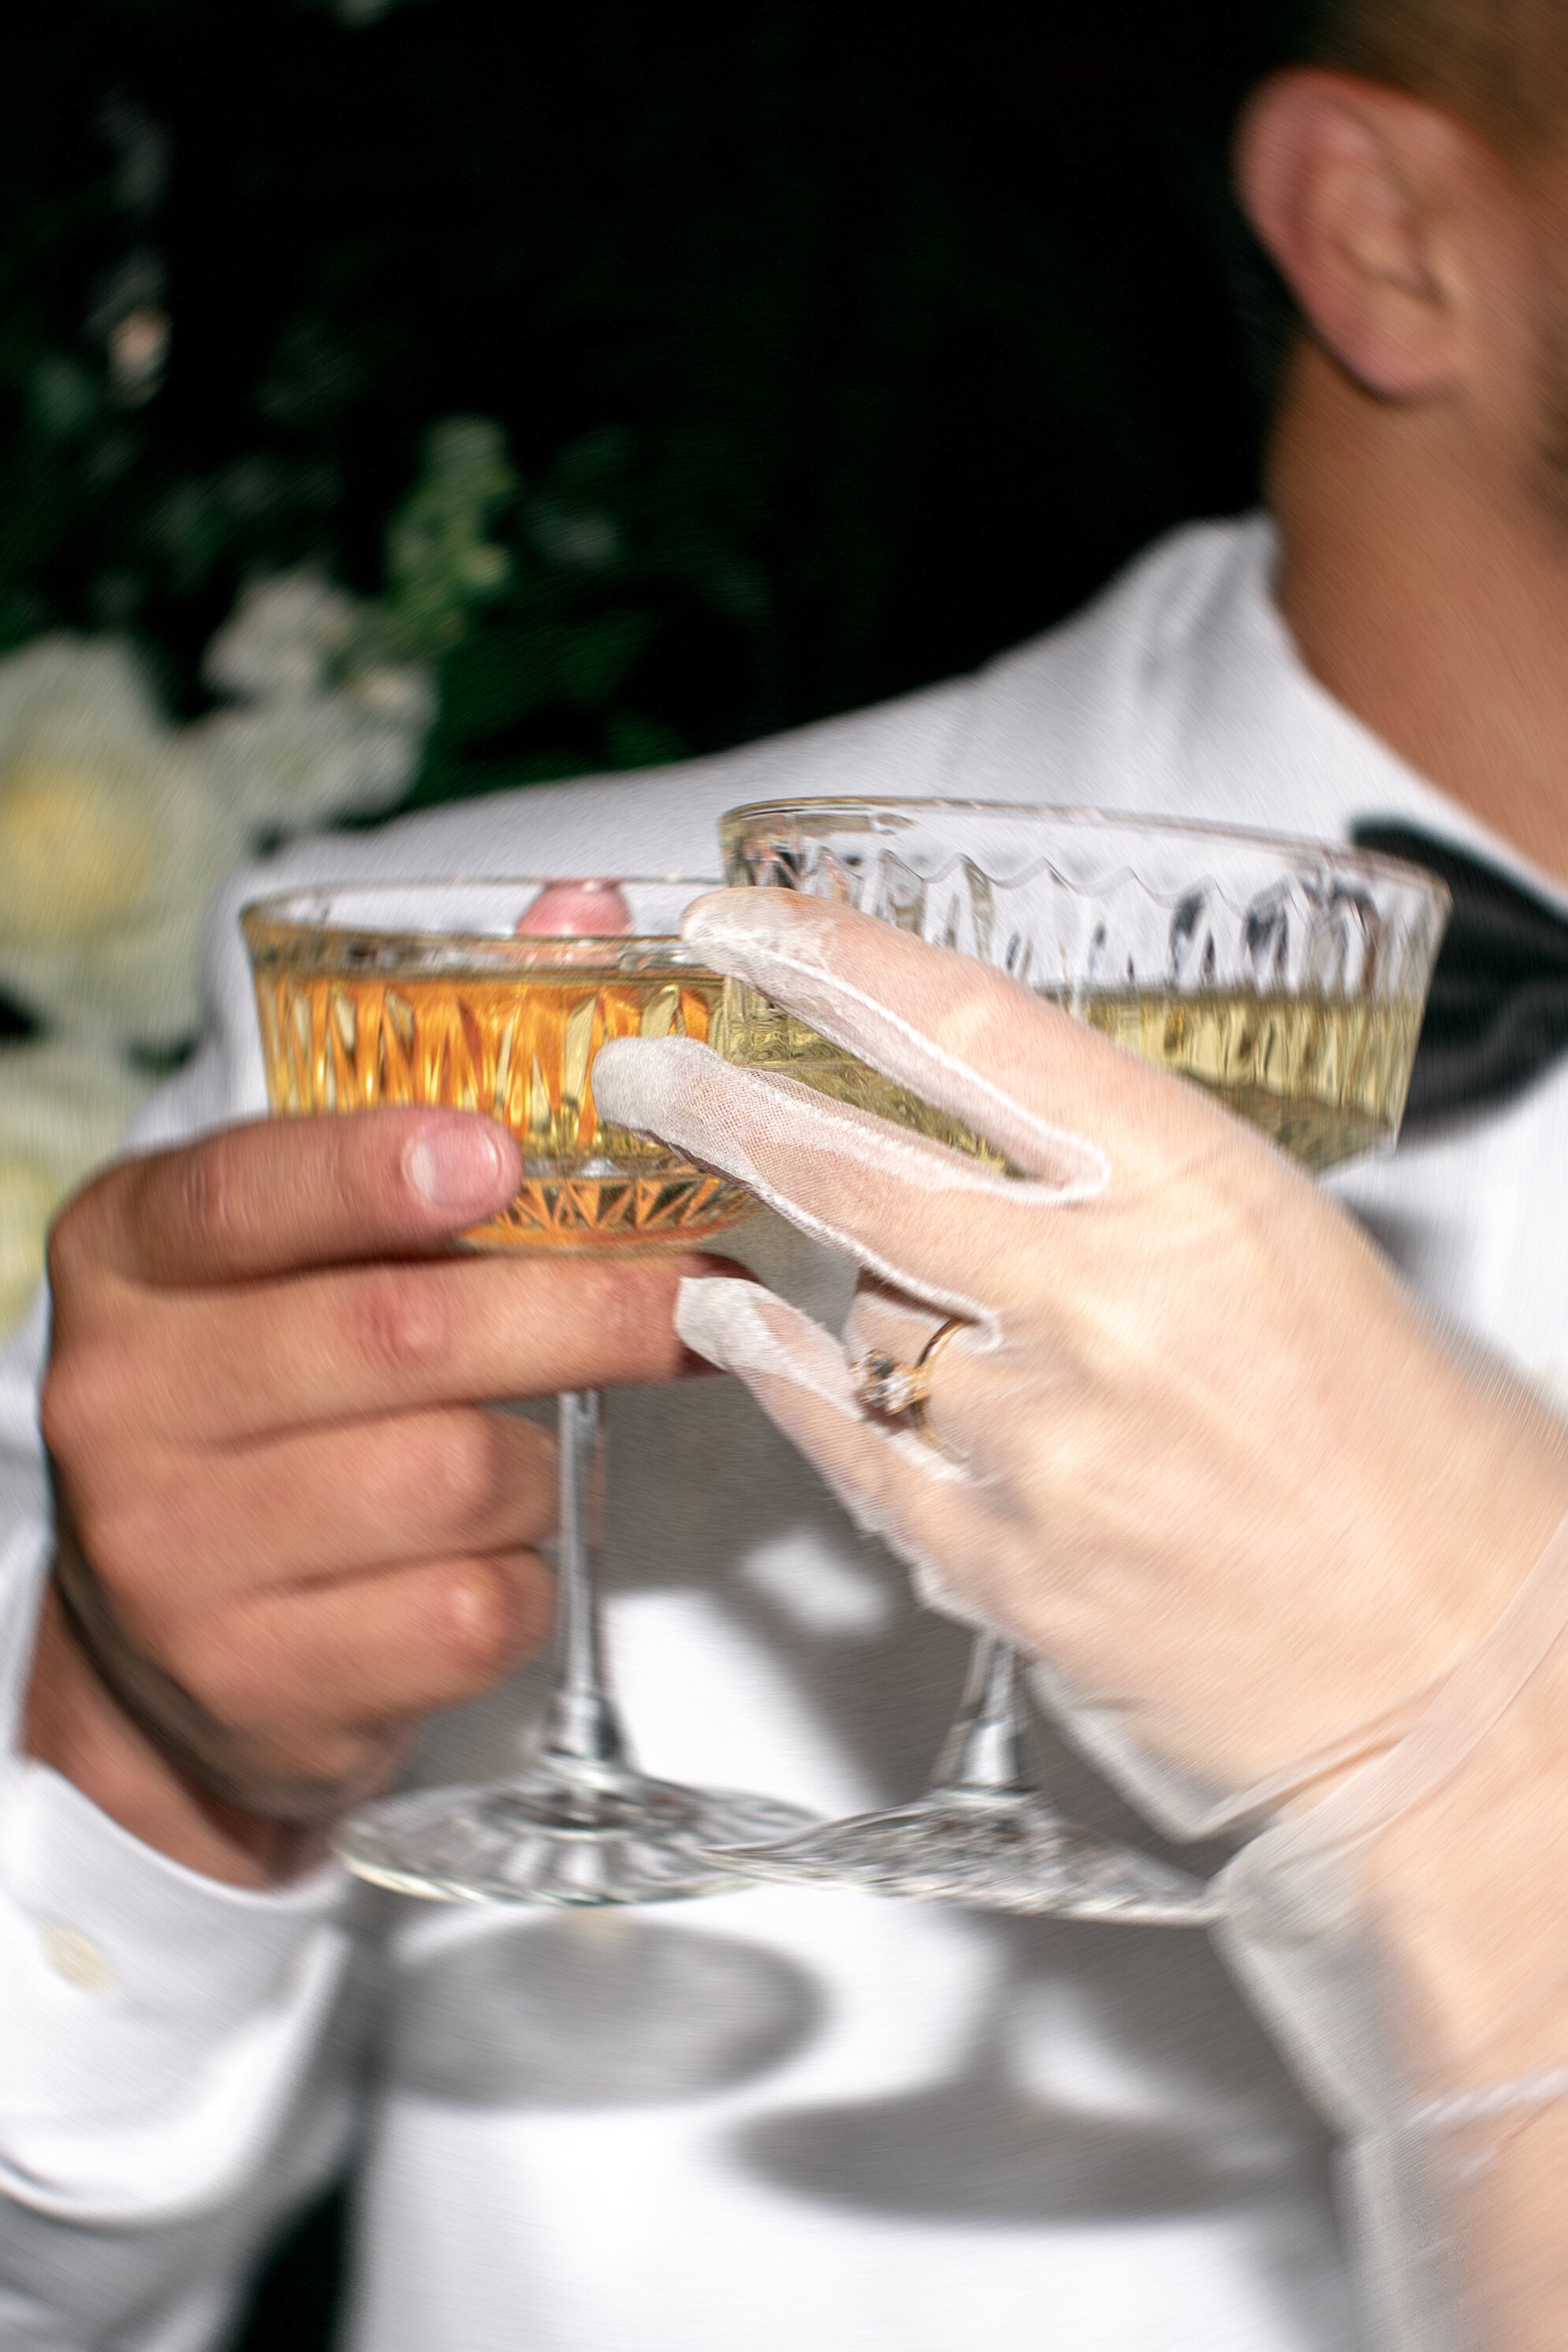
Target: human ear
(1350,187)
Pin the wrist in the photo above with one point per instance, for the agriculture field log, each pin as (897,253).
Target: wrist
(1467,1890)
(76,1726)
(1466,1887)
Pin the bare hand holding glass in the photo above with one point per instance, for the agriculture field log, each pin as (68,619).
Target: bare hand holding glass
(495,997)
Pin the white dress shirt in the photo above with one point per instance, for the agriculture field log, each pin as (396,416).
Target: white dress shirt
(782,2118)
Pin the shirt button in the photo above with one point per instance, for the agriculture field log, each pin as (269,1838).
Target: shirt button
(77,1958)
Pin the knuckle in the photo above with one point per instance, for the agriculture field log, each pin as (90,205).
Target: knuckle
(89,1221)
(94,1391)
(492,1620)
(976,1026)
(68,1254)
(212,1192)
(70,1409)
(400,1320)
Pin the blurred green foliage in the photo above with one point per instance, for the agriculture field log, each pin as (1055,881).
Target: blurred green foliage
(779,358)
(440,561)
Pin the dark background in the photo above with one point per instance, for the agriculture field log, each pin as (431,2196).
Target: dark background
(835,349)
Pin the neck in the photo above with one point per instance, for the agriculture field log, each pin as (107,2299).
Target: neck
(1429,600)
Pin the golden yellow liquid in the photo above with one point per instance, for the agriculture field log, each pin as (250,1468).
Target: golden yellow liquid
(520,1048)
(1324,1077)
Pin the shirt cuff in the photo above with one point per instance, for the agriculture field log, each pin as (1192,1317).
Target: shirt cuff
(159,2025)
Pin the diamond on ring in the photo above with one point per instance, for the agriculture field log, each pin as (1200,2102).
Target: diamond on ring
(884,1385)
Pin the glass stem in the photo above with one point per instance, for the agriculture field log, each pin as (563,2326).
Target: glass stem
(987,1751)
(583,1729)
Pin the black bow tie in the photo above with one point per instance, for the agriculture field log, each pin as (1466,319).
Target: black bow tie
(1497,1016)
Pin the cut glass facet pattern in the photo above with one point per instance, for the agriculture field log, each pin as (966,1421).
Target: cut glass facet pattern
(549,1837)
(514,1035)
(1012,1852)
(1287,978)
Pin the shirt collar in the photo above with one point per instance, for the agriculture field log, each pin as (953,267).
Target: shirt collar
(1180,692)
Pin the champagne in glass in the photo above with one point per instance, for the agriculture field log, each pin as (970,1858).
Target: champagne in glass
(472,996)
(521,1046)
(1287,978)
(1325,1079)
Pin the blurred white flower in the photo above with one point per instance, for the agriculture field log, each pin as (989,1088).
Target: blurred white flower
(63,1109)
(287,764)
(110,842)
(116,827)
(281,640)
(324,729)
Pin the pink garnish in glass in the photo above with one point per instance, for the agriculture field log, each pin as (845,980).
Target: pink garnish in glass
(585,909)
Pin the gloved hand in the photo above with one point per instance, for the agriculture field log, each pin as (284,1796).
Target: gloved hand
(1199,1453)
(1201,1456)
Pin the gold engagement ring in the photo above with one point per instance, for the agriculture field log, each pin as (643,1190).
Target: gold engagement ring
(897,1391)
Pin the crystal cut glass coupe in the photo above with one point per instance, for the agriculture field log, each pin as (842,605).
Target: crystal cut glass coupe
(495,997)
(1288,978)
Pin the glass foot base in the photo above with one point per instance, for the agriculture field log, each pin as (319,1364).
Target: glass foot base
(552,1836)
(995,1853)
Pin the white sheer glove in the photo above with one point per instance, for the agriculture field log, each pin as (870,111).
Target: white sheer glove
(1197,1453)
(1165,1439)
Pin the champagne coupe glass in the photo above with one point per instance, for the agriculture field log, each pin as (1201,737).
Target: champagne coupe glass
(1287,977)
(496,996)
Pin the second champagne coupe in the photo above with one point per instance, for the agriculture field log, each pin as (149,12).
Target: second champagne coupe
(430,994)
(1288,978)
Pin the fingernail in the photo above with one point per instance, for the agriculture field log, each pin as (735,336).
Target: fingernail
(478,1615)
(722,913)
(719,1320)
(618,1090)
(460,1163)
(638,1081)
(742,933)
